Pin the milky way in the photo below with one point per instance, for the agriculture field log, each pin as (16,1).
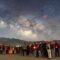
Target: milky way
(30,20)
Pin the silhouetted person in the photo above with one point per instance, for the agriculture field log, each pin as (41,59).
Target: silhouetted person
(8,47)
(3,49)
(27,50)
(56,49)
(37,52)
(44,50)
(0,50)
(24,50)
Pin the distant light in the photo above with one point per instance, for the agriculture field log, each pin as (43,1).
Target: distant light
(34,47)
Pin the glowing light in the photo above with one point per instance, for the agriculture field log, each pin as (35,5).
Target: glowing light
(2,24)
(34,47)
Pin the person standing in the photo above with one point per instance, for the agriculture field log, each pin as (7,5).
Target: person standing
(44,50)
(3,49)
(49,51)
(24,50)
(37,50)
(27,50)
(56,49)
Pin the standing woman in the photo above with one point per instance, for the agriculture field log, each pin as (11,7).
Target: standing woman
(49,51)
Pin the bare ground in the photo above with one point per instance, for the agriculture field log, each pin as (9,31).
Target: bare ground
(18,57)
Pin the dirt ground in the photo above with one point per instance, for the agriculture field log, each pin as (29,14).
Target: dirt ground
(18,57)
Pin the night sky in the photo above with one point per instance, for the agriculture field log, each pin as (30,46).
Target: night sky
(30,20)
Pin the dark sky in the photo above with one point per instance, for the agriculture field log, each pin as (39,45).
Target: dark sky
(30,19)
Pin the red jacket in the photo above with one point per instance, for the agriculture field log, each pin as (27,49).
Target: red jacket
(56,45)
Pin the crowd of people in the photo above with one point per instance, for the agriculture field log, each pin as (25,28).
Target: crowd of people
(40,49)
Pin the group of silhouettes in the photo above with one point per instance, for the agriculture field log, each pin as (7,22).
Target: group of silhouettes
(40,49)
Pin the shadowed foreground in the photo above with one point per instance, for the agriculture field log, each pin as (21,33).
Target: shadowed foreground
(17,57)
